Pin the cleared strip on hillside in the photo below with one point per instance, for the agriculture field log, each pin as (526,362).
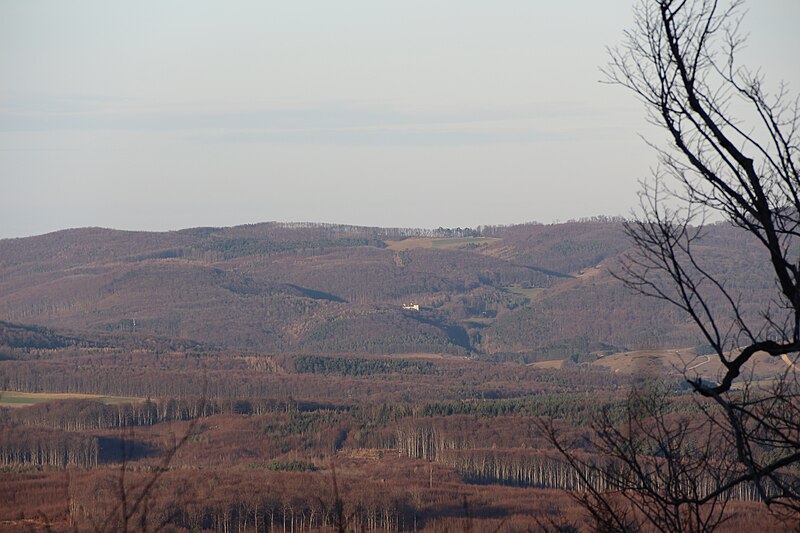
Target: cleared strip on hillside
(24,399)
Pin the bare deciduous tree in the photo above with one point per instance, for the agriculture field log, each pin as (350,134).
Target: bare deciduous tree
(733,157)
(651,467)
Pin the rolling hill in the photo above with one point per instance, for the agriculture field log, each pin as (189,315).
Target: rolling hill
(528,292)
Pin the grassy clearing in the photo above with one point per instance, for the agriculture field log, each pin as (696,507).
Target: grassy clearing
(446,244)
(664,362)
(460,242)
(588,272)
(530,293)
(24,399)
(762,369)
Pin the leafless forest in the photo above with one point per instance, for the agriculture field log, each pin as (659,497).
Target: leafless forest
(359,413)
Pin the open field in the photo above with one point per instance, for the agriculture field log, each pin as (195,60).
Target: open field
(678,361)
(23,399)
(589,272)
(667,361)
(529,293)
(442,243)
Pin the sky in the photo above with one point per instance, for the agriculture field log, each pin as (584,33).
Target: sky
(172,114)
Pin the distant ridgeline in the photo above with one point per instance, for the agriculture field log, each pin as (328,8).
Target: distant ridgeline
(525,292)
(390,233)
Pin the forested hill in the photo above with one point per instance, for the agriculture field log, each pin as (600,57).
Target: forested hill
(528,292)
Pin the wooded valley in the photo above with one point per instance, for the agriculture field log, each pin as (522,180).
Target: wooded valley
(314,377)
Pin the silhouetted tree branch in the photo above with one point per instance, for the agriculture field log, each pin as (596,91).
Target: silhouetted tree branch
(733,155)
(732,158)
(654,469)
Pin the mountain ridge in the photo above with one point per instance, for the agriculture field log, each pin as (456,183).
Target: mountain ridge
(529,291)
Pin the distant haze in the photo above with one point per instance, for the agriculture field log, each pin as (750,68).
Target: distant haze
(162,115)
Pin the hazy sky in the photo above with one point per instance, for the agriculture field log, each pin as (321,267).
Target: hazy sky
(170,114)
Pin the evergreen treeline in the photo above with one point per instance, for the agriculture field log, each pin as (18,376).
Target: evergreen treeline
(352,366)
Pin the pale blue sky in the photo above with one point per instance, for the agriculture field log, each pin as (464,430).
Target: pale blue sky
(170,114)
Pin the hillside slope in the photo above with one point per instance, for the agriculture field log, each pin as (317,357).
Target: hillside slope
(529,291)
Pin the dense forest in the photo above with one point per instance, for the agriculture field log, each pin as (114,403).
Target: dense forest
(401,443)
